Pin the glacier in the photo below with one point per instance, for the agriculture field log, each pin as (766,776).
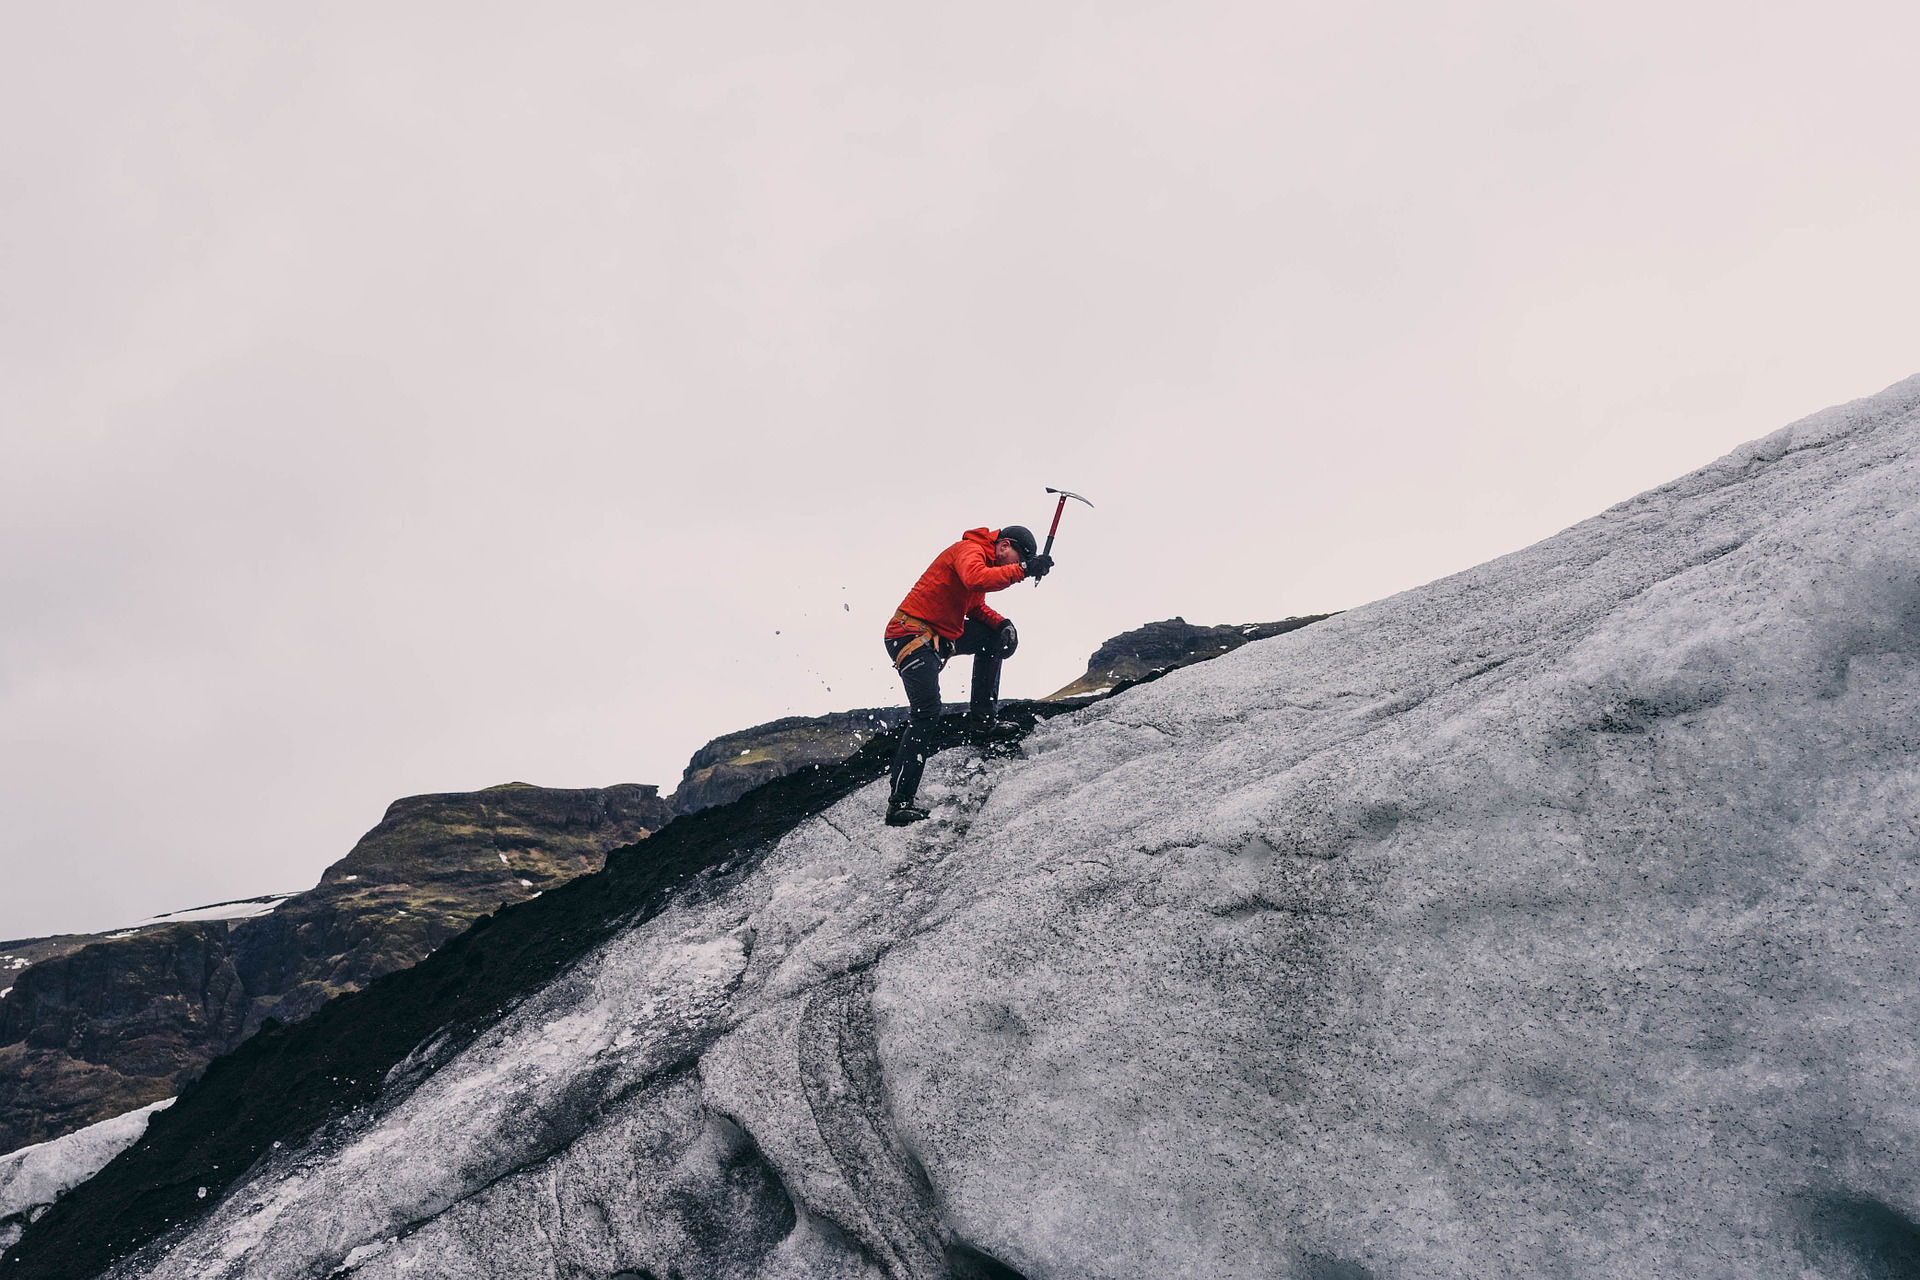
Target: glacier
(1552,919)
(33,1177)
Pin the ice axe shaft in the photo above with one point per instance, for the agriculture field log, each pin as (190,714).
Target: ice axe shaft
(1058,509)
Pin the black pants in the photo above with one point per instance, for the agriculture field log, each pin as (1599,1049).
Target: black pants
(921,674)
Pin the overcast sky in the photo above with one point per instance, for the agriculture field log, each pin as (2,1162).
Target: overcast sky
(404,398)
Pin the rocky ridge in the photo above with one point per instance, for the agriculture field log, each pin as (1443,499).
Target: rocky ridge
(1168,646)
(732,765)
(735,763)
(94,1027)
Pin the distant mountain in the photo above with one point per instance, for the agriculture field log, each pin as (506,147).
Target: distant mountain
(93,1026)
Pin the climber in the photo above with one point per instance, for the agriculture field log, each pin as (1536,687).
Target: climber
(946,613)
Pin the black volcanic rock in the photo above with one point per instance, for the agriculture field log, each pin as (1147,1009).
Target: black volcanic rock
(735,763)
(94,1027)
(1163,646)
(732,765)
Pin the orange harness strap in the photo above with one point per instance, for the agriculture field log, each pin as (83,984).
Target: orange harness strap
(923,634)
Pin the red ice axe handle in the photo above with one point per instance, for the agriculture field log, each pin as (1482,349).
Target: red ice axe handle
(1058,509)
(1055,528)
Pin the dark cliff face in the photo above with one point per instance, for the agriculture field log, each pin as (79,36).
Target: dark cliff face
(433,865)
(1163,646)
(111,1026)
(97,1027)
(730,766)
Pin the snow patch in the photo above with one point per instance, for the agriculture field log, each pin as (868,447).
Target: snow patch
(32,1178)
(364,1253)
(240,909)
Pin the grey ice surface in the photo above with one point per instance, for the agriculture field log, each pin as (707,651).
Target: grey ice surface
(32,1178)
(1553,919)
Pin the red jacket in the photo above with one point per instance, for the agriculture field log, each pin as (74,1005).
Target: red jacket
(955,585)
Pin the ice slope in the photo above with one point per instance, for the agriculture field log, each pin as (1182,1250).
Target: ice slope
(1553,919)
(32,1178)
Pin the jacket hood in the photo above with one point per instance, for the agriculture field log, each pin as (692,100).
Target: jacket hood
(986,537)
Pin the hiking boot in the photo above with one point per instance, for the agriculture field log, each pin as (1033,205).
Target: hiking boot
(995,739)
(997,748)
(901,815)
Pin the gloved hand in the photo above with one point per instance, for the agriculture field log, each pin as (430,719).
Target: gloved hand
(1038,566)
(1006,641)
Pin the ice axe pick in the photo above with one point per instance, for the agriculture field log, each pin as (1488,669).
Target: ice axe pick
(1055,528)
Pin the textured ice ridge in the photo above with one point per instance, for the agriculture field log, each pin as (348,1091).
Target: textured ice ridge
(33,1177)
(1555,918)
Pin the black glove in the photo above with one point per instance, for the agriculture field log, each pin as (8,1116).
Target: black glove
(1006,641)
(1038,566)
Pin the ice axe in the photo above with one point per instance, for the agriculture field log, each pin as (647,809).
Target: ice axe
(1060,507)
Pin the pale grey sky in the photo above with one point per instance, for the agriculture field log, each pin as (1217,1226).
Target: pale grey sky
(413,398)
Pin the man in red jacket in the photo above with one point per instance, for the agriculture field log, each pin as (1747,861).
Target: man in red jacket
(946,613)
